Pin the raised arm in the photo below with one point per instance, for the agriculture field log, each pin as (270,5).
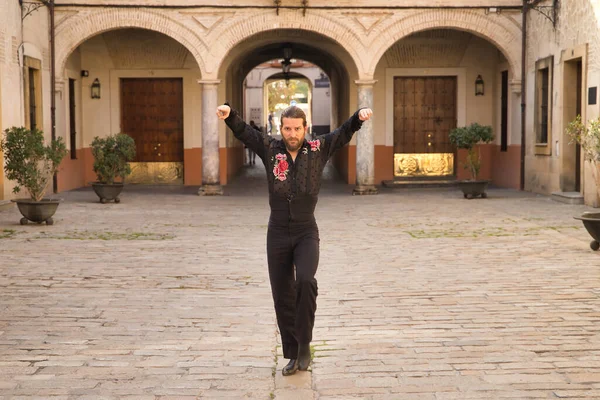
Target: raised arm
(331,142)
(254,139)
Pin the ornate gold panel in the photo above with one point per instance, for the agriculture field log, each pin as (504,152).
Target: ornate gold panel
(156,172)
(425,164)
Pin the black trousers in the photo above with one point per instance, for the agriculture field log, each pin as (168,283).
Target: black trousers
(295,297)
(251,155)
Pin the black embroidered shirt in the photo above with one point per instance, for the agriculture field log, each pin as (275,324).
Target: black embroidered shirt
(300,177)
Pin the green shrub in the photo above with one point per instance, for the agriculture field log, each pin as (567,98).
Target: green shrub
(586,136)
(29,162)
(111,157)
(466,138)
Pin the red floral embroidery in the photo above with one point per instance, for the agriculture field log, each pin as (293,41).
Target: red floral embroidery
(281,168)
(283,165)
(315,145)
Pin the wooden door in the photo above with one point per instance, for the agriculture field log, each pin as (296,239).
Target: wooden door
(152,114)
(424,114)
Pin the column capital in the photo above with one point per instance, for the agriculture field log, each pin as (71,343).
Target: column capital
(365,82)
(59,83)
(209,81)
(515,86)
(59,87)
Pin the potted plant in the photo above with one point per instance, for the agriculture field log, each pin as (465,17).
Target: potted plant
(32,165)
(111,156)
(588,137)
(468,137)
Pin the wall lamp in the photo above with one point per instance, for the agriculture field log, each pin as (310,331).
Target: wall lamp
(96,89)
(479,86)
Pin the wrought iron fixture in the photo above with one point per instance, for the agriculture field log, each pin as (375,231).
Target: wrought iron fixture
(277,5)
(286,64)
(96,89)
(479,86)
(549,11)
(29,7)
(304,6)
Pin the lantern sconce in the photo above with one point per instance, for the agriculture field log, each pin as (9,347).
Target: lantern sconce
(96,89)
(479,86)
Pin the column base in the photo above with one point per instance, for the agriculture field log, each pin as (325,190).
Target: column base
(365,190)
(210,190)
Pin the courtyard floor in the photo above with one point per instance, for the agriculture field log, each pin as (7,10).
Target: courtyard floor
(422,295)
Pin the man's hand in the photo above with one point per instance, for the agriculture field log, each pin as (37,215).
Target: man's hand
(365,114)
(223,111)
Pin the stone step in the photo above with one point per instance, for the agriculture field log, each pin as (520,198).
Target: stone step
(428,183)
(568,197)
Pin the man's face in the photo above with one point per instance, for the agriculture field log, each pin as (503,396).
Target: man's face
(293,132)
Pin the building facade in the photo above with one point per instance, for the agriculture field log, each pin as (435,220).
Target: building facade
(163,67)
(563,74)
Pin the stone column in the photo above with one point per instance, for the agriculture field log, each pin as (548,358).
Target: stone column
(365,147)
(211,184)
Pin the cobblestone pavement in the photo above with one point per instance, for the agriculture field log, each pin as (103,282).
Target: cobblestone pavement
(423,295)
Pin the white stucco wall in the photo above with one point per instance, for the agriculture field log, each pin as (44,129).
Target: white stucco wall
(16,41)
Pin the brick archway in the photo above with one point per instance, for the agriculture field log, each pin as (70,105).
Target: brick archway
(76,28)
(231,35)
(503,32)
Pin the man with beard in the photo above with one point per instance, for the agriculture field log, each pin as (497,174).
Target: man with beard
(294,169)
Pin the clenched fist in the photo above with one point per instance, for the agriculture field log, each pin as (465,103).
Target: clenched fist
(365,114)
(223,111)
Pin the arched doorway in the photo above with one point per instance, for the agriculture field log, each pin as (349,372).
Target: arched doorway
(149,91)
(273,86)
(315,48)
(429,89)
(282,91)
(267,91)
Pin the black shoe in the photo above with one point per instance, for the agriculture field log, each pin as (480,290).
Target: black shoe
(303,356)
(290,368)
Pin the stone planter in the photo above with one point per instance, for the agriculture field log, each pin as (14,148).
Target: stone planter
(37,211)
(472,189)
(108,192)
(591,221)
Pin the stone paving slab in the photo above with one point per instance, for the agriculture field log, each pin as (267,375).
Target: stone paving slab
(422,295)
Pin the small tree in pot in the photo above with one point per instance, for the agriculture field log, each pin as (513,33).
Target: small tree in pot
(588,137)
(111,156)
(467,138)
(31,164)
